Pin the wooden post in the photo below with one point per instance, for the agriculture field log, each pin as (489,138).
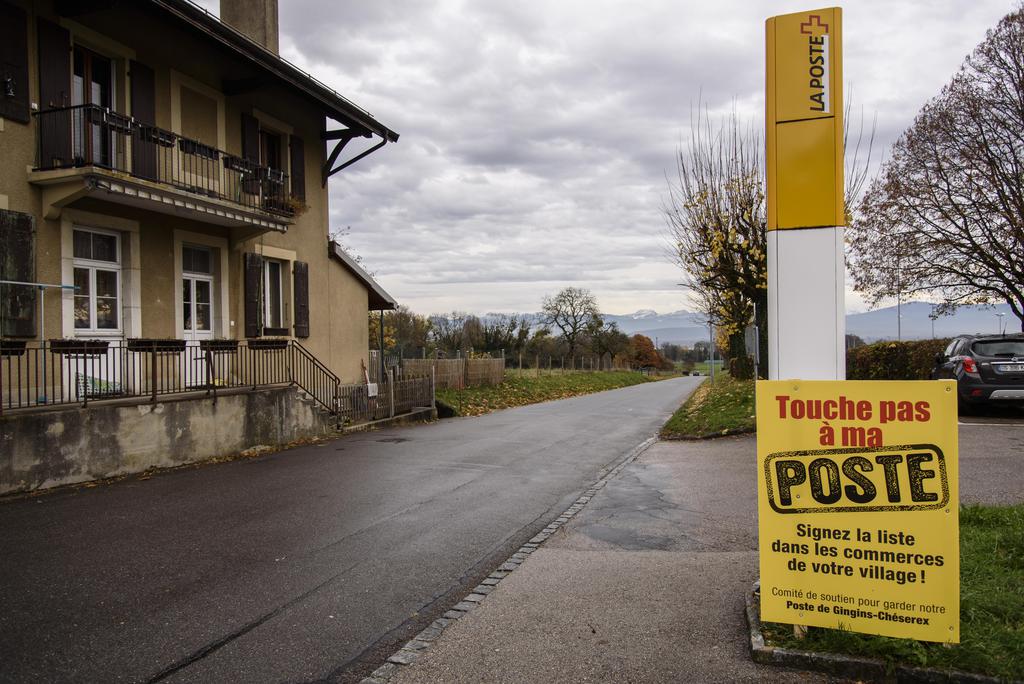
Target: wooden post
(382,345)
(538,365)
(391,393)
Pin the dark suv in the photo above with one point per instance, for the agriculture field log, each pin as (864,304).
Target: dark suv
(988,369)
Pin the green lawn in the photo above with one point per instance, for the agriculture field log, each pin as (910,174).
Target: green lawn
(725,407)
(991,606)
(704,367)
(521,388)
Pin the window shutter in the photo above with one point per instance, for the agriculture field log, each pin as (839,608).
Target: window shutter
(298,170)
(54,91)
(250,138)
(17,262)
(54,65)
(144,152)
(13,63)
(253,294)
(300,286)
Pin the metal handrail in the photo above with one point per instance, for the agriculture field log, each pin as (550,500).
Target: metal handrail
(319,383)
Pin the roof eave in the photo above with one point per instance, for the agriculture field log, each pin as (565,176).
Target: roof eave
(377,298)
(337,107)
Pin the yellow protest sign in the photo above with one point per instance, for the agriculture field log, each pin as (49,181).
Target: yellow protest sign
(858,506)
(804,119)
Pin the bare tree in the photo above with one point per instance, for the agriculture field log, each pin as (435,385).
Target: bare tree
(945,216)
(504,332)
(716,222)
(454,332)
(404,331)
(571,311)
(606,338)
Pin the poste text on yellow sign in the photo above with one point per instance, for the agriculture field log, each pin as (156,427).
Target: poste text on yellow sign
(858,506)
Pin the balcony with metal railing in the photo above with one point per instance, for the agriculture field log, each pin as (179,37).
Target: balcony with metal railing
(93,150)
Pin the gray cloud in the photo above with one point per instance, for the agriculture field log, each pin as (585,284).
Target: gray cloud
(536,137)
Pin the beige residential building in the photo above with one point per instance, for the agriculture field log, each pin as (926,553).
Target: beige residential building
(170,172)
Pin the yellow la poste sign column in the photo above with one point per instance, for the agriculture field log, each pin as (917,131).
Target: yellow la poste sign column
(857,481)
(805,208)
(804,120)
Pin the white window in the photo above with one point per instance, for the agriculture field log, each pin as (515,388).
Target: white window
(97,266)
(273,295)
(197,290)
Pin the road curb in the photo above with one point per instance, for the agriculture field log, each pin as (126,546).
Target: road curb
(410,652)
(849,667)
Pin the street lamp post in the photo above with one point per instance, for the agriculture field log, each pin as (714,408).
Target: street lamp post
(1000,329)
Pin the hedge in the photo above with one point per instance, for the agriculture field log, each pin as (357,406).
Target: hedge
(912,360)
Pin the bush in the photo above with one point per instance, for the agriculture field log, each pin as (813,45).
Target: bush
(894,360)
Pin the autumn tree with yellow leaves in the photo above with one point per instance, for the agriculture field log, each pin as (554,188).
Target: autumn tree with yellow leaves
(715,214)
(717,224)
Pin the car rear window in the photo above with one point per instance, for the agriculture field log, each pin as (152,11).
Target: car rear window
(999,348)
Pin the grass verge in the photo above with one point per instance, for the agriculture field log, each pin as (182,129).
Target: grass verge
(522,389)
(725,407)
(991,607)
(704,368)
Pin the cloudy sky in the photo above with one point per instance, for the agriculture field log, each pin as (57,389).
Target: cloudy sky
(536,136)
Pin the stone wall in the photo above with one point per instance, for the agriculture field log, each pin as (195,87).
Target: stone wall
(55,447)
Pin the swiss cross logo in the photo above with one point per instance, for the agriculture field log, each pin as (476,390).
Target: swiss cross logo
(814,26)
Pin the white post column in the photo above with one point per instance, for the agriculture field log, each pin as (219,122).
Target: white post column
(806,304)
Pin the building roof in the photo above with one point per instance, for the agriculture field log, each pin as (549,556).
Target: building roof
(335,106)
(378,299)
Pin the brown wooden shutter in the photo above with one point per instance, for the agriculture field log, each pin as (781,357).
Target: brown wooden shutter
(298,170)
(54,92)
(54,65)
(250,138)
(253,294)
(13,63)
(144,152)
(300,286)
(17,262)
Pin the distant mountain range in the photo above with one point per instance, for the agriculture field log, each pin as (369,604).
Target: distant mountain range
(687,327)
(678,327)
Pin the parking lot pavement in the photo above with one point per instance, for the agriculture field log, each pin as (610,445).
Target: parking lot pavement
(992,457)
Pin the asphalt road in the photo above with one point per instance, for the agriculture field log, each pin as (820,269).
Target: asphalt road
(308,565)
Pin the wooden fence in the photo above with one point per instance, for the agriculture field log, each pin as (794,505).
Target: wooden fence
(359,403)
(545,363)
(391,361)
(457,373)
